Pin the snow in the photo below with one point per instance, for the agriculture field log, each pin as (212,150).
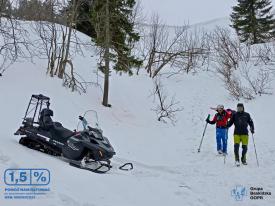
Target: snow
(167,168)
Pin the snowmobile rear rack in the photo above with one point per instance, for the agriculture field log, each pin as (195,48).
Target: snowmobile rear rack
(40,97)
(38,101)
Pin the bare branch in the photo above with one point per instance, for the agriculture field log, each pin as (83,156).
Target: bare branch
(182,49)
(166,109)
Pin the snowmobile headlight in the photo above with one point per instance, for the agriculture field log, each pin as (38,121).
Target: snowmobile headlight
(96,135)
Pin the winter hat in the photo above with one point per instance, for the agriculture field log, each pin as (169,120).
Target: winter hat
(240,105)
(220,106)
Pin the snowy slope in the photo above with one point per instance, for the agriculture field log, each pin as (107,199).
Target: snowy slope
(168,170)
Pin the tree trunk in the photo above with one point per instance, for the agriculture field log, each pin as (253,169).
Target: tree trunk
(67,49)
(254,25)
(105,101)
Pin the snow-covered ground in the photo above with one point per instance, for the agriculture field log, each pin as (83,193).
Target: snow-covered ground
(167,168)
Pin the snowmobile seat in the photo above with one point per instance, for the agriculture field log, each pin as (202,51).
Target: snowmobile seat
(56,130)
(61,132)
(45,120)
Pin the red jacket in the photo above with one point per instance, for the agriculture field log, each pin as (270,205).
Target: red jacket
(221,119)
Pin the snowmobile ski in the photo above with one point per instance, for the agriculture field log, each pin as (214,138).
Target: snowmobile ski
(127,166)
(99,168)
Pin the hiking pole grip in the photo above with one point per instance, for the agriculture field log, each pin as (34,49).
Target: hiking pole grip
(199,149)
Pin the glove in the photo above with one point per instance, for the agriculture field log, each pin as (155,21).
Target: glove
(252,131)
(207,119)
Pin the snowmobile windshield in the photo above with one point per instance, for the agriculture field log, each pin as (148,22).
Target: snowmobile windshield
(90,120)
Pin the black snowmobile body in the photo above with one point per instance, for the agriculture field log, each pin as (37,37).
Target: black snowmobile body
(86,149)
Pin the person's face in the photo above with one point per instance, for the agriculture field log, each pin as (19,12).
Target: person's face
(220,110)
(240,109)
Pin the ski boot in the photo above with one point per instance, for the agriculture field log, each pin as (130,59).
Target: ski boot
(237,162)
(243,159)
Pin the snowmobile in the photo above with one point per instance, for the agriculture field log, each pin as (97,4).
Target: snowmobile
(86,149)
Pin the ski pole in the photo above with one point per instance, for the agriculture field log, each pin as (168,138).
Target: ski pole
(199,149)
(224,160)
(255,150)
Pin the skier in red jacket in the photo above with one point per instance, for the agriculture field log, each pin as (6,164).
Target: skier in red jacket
(220,119)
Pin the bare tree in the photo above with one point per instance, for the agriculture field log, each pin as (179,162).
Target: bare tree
(242,67)
(14,41)
(258,83)
(39,10)
(59,43)
(166,107)
(181,48)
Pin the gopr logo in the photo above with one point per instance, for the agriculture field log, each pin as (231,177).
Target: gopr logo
(239,192)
